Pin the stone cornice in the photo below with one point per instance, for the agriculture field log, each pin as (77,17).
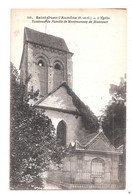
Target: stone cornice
(49,48)
(59,110)
(97,152)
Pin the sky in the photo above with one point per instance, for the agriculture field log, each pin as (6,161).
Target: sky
(99,48)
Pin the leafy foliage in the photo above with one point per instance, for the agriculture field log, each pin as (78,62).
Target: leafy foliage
(114,123)
(89,119)
(33,146)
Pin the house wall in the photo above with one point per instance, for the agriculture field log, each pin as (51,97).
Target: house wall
(59,99)
(81,172)
(114,168)
(73,123)
(23,65)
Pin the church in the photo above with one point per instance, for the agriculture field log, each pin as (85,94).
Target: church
(93,163)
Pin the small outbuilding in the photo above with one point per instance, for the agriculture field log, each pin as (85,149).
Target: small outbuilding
(92,163)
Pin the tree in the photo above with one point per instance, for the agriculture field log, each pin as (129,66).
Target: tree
(114,123)
(114,118)
(33,145)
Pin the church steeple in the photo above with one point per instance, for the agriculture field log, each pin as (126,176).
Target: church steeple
(46,59)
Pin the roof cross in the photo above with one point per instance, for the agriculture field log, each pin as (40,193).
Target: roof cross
(100,121)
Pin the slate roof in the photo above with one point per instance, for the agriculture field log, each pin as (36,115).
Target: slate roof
(44,39)
(96,142)
(83,140)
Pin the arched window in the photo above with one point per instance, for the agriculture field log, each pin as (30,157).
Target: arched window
(58,74)
(41,72)
(41,63)
(57,66)
(61,133)
(97,167)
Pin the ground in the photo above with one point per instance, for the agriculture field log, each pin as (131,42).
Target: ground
(52,187)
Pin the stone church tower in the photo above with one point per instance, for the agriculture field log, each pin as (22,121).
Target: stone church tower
(94,162)
(46,60)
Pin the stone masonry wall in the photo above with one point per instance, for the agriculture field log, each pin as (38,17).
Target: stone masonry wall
(73,123)
(46,78)
(84,173)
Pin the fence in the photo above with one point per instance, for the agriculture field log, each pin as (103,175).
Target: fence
(79,180)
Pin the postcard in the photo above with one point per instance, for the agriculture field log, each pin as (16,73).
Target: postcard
(68,99)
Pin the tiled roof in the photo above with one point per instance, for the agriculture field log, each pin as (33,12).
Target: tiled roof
(86,137)
(96,142)
(45,39)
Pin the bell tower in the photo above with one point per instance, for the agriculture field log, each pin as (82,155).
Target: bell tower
(46,62)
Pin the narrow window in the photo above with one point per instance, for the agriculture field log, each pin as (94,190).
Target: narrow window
(40,63)
(57,66)
(61,133)
(58,74)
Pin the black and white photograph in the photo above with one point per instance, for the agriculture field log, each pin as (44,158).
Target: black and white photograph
(68,99)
